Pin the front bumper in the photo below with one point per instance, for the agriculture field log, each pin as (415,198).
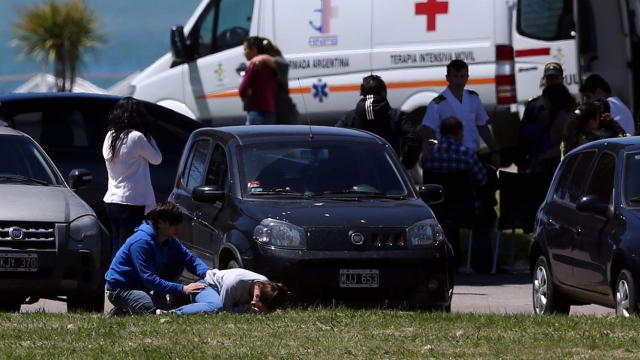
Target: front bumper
(403,274)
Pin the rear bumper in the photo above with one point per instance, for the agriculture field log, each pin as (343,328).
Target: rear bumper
(403,274)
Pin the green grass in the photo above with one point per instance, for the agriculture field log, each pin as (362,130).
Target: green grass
(330,333)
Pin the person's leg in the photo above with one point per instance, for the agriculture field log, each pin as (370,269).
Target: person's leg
(206,301)
(136,301)
(452,233)
(124,219)
(254,118)
(268,118)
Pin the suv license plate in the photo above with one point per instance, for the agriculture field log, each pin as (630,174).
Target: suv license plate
(19,262)
(356,278)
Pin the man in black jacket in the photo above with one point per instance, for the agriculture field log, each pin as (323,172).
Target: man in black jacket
(374,114)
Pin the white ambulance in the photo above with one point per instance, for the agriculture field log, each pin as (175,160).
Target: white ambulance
(332,44)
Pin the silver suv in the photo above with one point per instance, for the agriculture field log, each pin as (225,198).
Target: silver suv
(51,243)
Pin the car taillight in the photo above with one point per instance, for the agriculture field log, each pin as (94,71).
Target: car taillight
(505,75)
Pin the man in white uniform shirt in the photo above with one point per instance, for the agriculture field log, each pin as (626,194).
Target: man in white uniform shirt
(456,101)
(595,87)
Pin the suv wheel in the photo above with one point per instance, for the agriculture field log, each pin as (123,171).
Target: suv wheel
(232,264)
(625,293)
(94,303)
(546,298)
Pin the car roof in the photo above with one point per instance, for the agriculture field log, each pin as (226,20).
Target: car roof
(265,133)
(54,95)
(5,130)
(629,143)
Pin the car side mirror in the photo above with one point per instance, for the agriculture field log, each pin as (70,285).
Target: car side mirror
(179,47)
(591,204)
(431,193)
(79,178)
(208,194)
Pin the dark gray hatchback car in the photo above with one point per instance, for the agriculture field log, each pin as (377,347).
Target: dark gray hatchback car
(586,245)
(329,212)
(51,242)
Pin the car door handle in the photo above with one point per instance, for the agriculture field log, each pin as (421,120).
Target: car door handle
(577,231)
(240,70)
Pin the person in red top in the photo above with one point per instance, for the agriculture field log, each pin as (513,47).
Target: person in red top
(259,85)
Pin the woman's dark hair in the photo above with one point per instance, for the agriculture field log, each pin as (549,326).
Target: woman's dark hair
(559,98)
(588,111)
(127,114)
(165,212)
(262,45)
(272,294)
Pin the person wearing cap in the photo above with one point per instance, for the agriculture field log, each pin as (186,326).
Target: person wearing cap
(464,104)
(596,87)
(536,115)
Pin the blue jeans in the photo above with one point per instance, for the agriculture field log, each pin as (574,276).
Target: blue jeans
(260,118)
(206,301)
(136,301)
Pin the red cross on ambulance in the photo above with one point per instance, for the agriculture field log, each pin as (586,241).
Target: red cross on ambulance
(431,9)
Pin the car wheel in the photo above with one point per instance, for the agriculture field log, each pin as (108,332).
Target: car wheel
(546,298)
(232,264)
(10,305)
(94,303)
(625,291)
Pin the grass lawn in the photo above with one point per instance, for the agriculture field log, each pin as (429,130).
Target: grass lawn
(330,333)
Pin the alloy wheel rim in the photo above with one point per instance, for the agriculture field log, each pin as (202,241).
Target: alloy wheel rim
(622,298)
(540,293)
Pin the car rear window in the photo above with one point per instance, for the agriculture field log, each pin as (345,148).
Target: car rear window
(316,169)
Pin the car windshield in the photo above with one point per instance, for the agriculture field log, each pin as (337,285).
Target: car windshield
(22,163)
(327,169)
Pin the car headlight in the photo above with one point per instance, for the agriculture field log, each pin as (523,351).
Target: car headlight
(84,227)
(279,233)
(425,233)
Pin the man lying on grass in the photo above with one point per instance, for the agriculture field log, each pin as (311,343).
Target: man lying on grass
(142,273)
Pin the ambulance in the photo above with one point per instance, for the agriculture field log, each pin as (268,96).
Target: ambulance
(332,44)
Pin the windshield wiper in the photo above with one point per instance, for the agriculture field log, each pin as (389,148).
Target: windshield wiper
(360,193)
(22,179)
(277,192)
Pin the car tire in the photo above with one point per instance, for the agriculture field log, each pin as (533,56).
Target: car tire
(10,305)
(625,294)
(93,303)
(546,298)
(232,264)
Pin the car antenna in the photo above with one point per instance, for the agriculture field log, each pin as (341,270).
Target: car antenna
(306,111)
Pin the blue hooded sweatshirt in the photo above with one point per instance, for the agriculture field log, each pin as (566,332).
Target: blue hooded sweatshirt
(143,263)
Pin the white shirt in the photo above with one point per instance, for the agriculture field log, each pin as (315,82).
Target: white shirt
(129,178)
(470,111)
(622,115)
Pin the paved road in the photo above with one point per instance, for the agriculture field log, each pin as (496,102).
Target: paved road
(502,293)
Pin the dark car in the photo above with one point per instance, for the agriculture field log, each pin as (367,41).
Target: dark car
(329,212)
(585,248)
(71,128)
(51,243)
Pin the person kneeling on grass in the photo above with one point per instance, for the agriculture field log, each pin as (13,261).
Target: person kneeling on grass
(234,290)
(141,273)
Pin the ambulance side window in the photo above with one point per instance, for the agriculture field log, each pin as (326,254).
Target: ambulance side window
(546,19)
(224,24)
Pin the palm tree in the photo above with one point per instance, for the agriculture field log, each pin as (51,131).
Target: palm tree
(59,35)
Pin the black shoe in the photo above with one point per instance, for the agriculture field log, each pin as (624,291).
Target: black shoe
(117,312)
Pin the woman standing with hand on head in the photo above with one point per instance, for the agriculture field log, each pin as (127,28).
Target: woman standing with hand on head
(128,149)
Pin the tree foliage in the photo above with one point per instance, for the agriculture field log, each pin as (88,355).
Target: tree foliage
(58,35)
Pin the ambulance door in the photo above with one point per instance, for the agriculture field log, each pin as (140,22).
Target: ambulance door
(328,46)
(212,80)
(544,31)
(606,31)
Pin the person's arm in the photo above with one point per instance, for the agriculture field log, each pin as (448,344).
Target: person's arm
(245,86)
(478,171)
(192,263)
(146,148)
(430,122)
(266,59)
(144,260)
(345,121)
